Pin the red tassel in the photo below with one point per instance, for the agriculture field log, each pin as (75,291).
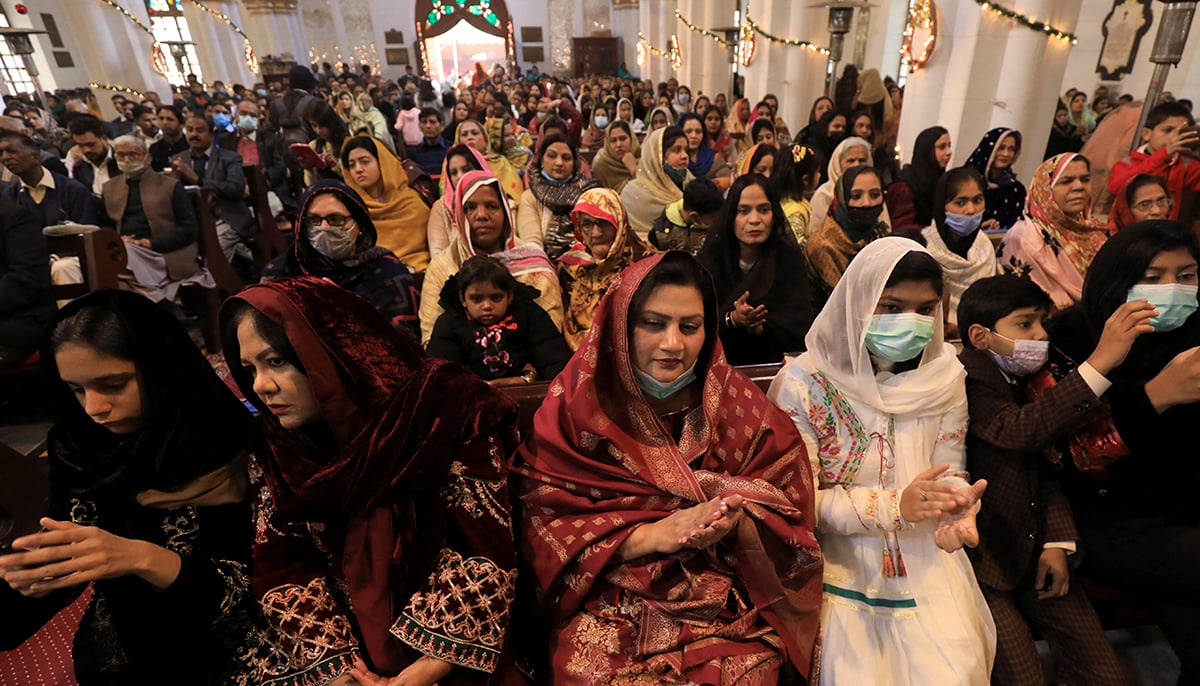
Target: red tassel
(889,568)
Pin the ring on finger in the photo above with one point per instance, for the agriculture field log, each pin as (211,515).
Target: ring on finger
(924,497)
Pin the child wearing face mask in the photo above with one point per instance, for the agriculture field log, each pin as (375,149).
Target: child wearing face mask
(955,239)
(493,325)
(1025,525)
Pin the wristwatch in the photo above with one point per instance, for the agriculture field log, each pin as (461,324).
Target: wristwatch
(529,376)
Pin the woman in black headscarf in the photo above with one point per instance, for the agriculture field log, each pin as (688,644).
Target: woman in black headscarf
(760,275)
(347,254)
(148,504)
(1063,137)
(1132,483)
(910,197)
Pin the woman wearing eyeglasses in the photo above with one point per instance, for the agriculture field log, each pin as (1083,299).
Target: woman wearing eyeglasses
(1145,197)
(336,239)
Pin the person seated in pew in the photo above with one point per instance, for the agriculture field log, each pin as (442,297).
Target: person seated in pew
(1026,529)
(671,538)
(335,239)
(486,227)
(1132,487)
(157,221)
(605,245)
(91,160)
(53,198)
(364,453)
(208,165)
(879,398)
(260,147)
(760,274)
(173,142)
(684,224)
(493,325)
(49,154)
(25,303)
(148,505)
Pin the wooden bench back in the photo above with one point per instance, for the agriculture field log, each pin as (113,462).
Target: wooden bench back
(102,258)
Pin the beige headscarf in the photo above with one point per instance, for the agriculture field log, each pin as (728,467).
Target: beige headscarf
(649,193)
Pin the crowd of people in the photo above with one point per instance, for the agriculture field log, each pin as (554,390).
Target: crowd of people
(983,389)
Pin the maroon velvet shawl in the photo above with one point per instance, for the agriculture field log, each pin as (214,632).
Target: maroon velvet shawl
(396,435)
(600,462)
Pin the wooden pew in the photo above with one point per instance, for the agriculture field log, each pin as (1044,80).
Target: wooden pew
(268,243)
(208,300)
(102,258)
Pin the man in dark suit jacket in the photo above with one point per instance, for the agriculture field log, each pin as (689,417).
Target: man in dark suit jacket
(92,156)
(258,146)
(1026,530)
(53,198)
(26,307)
(211,166)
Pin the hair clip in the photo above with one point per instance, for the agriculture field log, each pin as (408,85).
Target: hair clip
(799,152)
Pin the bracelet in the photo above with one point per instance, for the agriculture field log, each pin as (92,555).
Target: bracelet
(529,376)
(729,320)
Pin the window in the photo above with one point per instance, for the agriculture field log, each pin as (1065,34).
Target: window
(13,74)
(169,26)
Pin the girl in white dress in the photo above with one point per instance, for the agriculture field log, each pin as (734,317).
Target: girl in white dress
(881,402)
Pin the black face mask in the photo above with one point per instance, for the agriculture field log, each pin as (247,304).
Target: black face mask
(862,220)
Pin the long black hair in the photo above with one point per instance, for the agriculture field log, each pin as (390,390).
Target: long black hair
(720,252)
(192,423)
(1117,267)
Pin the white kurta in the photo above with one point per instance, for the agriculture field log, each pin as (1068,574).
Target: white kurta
(931,626)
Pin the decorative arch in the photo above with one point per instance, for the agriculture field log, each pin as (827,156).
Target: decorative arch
(436,17)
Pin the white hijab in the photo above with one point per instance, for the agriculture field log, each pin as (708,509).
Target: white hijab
(837,342)
(822,199)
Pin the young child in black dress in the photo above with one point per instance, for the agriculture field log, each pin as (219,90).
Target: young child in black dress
(493,326)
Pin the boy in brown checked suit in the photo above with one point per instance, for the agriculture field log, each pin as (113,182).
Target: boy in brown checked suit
(1025,526)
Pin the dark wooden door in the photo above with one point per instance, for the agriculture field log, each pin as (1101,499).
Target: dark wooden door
(598,55)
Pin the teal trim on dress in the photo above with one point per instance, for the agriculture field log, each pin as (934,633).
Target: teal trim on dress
(873,602)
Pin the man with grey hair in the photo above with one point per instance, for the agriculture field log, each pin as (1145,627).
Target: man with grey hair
(155,218)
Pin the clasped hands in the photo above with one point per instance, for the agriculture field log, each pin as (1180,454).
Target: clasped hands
(928,497)
(699,526)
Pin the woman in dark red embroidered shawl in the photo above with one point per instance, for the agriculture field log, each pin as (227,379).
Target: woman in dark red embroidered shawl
(669,523)
(384,532)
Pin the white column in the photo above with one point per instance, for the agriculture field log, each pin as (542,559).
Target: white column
(123,57)
(792,73)
(625,25)
(987,72)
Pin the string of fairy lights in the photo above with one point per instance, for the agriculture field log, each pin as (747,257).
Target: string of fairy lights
(251,60)
(1027,21)
(119,89)
(158,56)
(672,53)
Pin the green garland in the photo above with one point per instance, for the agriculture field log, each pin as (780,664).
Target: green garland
(1028,22)
(697,29)
(784,41)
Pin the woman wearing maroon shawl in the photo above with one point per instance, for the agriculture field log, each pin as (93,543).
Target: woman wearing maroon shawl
(668,504)
(384,534)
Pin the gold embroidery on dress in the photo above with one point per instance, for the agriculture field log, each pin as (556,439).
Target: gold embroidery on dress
(304,627)
(180,527)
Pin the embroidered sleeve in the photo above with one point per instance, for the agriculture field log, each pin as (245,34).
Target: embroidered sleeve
(837,444)
(461,612)
(951,443)
(308,638)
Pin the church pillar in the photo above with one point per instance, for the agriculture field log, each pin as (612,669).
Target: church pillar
(980,76)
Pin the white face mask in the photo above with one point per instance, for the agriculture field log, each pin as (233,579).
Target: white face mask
(131,168)
(1027,356)
(334,243)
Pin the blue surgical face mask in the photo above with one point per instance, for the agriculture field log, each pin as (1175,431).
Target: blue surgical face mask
(221,120)
(1175,302)
(899,337)
(247,122)
(601,122)
(262,92)
(550,179)
(659,390)
(963,224)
